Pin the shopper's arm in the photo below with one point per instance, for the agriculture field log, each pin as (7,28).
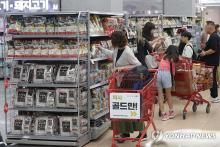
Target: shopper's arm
(105,51)
(125,67)
(209,52)
(213,41)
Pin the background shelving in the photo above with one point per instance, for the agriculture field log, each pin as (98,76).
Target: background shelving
(166,26)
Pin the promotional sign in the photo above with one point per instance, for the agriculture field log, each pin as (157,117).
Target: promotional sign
(125,106)
(29,5)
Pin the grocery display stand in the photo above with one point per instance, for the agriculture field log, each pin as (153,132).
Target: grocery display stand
(166,25)
(100,122)
(55,139)
(83,36)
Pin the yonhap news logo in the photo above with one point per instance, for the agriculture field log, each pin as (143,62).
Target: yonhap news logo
(187,137)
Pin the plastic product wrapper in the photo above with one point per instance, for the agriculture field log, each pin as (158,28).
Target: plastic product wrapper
(21,125)
(46,125)
(45,98)
(24,98)
(66,98)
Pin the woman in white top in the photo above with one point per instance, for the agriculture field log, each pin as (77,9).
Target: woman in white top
(123,57)
(188,49)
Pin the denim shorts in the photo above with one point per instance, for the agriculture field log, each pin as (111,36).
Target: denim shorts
(164,79)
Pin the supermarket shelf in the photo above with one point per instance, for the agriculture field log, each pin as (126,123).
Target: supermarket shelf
(99,59)
(47,58)
(41,13)
(99,84)
(48,140)
(106,13)
(43,109)
(172,26)
(48,85)
(144,15)
(98,131)
(46,36)
(100,114)
(99,35)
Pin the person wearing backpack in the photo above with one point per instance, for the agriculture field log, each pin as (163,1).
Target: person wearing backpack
(188,50)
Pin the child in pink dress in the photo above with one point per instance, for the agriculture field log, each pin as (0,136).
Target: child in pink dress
(165,75)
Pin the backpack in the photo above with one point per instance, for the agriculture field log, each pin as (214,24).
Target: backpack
(194,56)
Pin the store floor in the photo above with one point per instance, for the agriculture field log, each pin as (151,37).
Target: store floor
(199,120)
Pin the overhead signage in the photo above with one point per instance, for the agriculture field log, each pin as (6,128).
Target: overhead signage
(29,5)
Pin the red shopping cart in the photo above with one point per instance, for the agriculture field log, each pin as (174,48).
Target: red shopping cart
(187,88)
(142,99)
(184,80)
(188,80)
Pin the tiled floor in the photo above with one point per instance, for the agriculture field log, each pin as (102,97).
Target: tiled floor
(199,120)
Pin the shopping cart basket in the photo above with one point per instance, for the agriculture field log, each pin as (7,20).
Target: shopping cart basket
(194,95)
(142,99)
(187,88)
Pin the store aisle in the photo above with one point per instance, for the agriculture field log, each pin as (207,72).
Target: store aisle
(198,120)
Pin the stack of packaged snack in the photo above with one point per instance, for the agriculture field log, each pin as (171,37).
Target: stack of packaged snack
(38,73)
(38,124)
(203,76)
(99,100)
(102,73)
(106,25)
(96,25)
(46,48)
(41,25)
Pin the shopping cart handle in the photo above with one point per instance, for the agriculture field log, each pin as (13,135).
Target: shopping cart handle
(152,70)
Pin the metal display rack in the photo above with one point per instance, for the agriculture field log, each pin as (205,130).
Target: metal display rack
(100,120)
(181,21)
(82,138)
(2,41)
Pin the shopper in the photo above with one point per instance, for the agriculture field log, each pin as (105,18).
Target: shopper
(217,29)
(181,44)
(148,43)
(204,39)
(210,55)
(188,48)
(123,57)
(165,75)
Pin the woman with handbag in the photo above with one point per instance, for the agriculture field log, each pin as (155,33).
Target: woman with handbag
(123,57)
